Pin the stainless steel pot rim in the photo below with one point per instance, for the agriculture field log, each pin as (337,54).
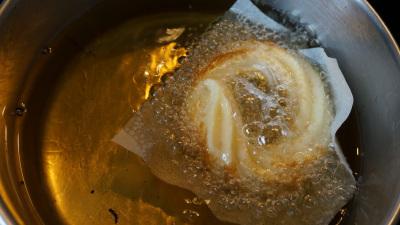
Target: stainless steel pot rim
(394,48)
(7,5)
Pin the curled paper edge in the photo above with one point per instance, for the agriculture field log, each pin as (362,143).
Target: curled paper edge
(342,96)
(248,10)
(339,89)
(128,142)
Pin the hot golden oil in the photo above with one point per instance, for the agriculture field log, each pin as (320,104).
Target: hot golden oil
(89,179)
(161,61)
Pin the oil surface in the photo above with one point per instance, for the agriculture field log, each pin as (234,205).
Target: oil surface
(90,179)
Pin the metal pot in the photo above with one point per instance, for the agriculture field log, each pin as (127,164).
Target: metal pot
(350,31)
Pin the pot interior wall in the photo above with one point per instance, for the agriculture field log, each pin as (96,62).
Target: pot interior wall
(34,56)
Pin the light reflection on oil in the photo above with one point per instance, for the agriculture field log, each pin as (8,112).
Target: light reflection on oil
(3,111)
(162,60)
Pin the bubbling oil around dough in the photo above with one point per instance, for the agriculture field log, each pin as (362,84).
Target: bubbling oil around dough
(243,104)
(278,185)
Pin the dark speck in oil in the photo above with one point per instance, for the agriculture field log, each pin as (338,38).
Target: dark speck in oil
(114,214)
(20,110)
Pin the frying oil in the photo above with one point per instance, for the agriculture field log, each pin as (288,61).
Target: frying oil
(90,179)
(87,175)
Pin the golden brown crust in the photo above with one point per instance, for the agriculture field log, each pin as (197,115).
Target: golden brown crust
(241,49)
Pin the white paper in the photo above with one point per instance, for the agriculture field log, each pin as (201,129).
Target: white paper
(133,139)
(342,96)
